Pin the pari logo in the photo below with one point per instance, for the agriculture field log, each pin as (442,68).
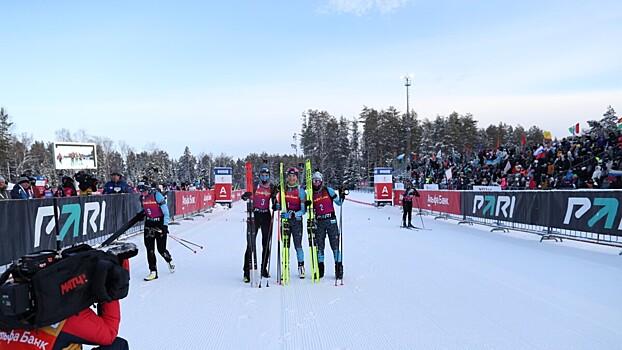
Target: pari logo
(494,205)
(185,200)
(92,212)
(581,205)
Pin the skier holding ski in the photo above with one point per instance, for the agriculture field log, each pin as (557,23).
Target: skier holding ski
(326,222)
(155,211)
(294,211)
(264,192)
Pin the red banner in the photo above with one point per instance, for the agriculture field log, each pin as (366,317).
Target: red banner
(188,201)
(383,192)
(440,201)
(192,201)
(222,192)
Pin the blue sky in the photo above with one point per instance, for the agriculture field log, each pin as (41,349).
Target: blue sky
(235,77)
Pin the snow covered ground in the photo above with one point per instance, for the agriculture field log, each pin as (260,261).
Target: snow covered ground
(445,287)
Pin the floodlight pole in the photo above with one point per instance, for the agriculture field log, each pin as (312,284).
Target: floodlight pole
(407,81)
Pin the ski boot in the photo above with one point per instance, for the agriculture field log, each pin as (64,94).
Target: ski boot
(171,267)
(339,270)
(320,266)
(152,276)
(410,225)
(247,276)
(301,270)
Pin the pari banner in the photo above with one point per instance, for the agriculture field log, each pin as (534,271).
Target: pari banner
(31,226)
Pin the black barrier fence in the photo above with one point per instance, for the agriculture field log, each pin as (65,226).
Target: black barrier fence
(587,214)
(29,225)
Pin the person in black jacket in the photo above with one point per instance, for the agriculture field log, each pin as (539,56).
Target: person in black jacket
(264,192)
(407,204)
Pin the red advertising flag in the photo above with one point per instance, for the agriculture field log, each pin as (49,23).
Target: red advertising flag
(522,140)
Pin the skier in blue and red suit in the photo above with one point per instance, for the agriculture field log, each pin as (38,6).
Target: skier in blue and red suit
(295,197)
(264,193)
(326,222)
(155,212)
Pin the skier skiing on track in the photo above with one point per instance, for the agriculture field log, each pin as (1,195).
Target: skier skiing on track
(295,196)
(326,222)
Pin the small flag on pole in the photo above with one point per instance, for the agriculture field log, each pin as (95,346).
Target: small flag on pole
(522,140)
(547,136)
(574,129)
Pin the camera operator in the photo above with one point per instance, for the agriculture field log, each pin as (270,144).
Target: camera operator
(87,184)
(86,327)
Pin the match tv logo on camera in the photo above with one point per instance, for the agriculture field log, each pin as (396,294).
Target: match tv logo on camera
(73,283)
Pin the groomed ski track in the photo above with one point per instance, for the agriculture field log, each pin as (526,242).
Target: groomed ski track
(446,287)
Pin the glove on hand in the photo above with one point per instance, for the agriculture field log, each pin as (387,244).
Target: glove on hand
(276,206)
(141,216)
(288,215)
(246,195)
(165,229)
(342,194)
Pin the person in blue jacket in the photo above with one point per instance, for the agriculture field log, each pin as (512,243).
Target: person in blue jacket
(326,221)
(294,211)
(22,189)
(116,184)
(155,212)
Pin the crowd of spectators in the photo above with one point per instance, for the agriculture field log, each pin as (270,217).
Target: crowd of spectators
(585,161)
(83,184)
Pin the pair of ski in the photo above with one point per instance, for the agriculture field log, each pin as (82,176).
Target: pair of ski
(250,233)
(284,236)
(414,228)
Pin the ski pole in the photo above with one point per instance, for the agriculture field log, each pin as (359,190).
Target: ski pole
(340,242)
(186,241)
(418,205)
(182,243)
(278,255)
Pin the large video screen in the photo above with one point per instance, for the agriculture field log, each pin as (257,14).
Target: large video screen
(75,156)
